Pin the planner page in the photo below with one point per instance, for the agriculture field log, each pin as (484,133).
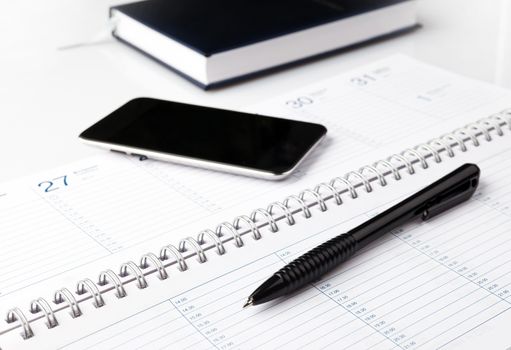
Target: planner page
(92,212)
(390,103)
(442,283)
(74,221)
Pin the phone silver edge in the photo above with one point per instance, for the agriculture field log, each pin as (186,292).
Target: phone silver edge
(201,163)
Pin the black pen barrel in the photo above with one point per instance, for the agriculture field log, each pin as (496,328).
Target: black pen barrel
(454,188)
(308,268)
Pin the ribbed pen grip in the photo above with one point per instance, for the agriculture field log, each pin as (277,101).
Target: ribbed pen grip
(320,260)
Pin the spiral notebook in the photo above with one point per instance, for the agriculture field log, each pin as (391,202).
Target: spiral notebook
(118,252)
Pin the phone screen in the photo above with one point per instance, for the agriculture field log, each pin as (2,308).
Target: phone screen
(251,141)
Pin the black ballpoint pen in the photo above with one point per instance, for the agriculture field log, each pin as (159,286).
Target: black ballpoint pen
(454,188)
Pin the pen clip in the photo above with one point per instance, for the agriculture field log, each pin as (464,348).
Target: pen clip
(454,194)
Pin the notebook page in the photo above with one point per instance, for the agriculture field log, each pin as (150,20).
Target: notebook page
(47,226)
(83,213)
(426,285)
(90,213)
(389,103)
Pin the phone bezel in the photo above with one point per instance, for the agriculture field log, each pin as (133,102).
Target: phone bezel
(201,163)
(105,126)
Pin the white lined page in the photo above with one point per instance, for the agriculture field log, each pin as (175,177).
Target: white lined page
(426,285)
(393,103)
(112,203)
(104,205)
(390,103)
(32,253)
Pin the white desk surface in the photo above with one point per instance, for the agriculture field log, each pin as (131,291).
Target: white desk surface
(49,95)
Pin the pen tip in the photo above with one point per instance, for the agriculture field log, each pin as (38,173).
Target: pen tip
(248,303)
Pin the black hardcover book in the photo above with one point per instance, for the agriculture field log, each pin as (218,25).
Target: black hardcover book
(213,41)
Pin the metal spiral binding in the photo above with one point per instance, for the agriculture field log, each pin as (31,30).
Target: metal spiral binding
(220,249)
(233,232)
(179,258)
(303,207)
(86,285)
(41,304)
(289,217)
(15,314)
(65,294)
(331,189)
(135,270)
(364,180)
(108,276)
(319,199)
(259,219)
(256,234)
(196,246)
(162,272)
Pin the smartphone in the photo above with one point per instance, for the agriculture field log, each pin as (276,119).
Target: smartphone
(217,139)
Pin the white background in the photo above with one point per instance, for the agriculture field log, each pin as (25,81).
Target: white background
(60,71)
